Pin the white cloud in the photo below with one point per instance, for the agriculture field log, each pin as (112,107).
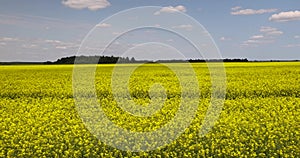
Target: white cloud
(103,25)
(187,27)
(59,44)
(25,48)
(116,33)
(61,47)
(9,39)
(268,36)
(270,31)
(244,44)
(267,29)
(236,8)
(292,45)
(285,16)
(258,41)
(252,11)
(297,36)
(53,41)
(29,46)
(89,4)
(37,43)
(275,33)
(257,37)
(171,9)
(225,39)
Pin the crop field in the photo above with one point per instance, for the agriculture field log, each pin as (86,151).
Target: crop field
(260,116)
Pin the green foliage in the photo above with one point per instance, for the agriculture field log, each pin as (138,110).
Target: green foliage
(260,117)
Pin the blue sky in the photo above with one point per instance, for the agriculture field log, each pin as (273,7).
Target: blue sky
(40,30)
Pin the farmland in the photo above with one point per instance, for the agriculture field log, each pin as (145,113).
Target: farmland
(260,116)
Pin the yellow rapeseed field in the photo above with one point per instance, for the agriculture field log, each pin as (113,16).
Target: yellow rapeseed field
(260,116)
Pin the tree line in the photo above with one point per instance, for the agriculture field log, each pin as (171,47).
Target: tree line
(92,60)
(113,60)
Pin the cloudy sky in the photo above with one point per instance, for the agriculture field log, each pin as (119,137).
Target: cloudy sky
(35,30)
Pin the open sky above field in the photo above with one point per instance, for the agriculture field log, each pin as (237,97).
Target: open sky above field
(35,30)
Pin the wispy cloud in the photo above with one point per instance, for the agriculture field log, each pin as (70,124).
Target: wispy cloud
(268,35)
(40,21)
(257,37)
(270,30)
(285,16)
(236,8)
(39,43)
(29,46)
(292,45)
(187,27)
(2,44)
(59,44)
(103,25)
(225,39)
(17,19)
(53,41)
(35,49)
(171,9)
(239,11)
(9,39)
(89,4)
(297,37)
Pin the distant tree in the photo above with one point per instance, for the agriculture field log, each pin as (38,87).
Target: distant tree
(132,60)
(127,60)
